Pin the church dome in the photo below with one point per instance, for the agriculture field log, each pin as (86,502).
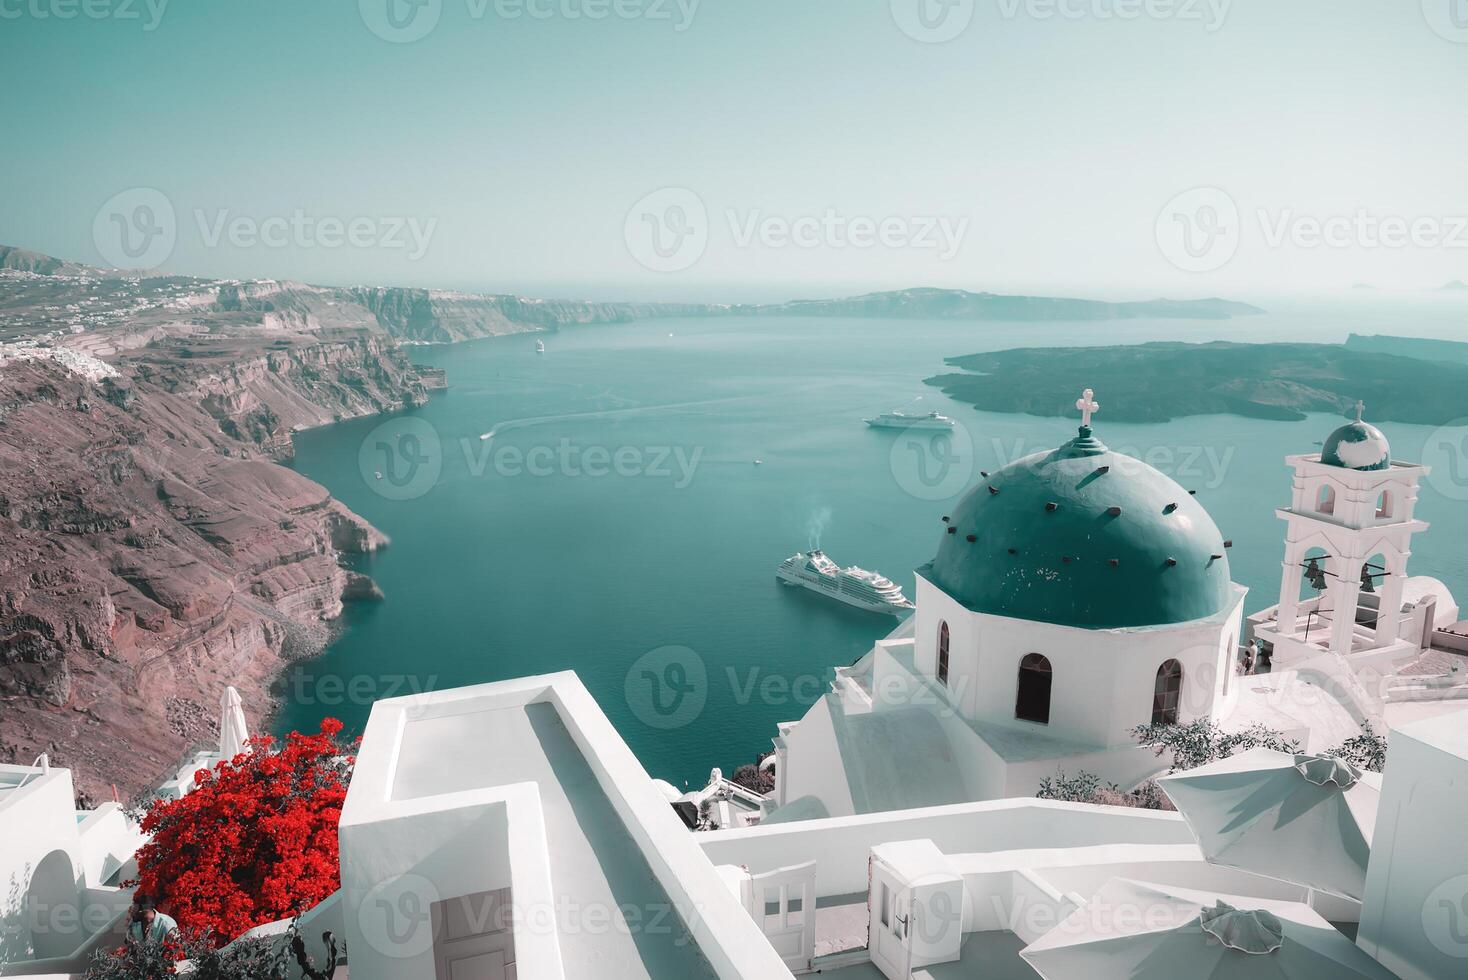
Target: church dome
(1085,537)
(1357,445)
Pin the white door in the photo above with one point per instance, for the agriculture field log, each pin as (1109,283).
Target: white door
(783,902)
(473,937)
(888,903)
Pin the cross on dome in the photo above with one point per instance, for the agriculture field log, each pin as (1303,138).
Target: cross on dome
(1360,410)
(1088,406)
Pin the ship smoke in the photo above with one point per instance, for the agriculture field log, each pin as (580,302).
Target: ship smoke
(815,526)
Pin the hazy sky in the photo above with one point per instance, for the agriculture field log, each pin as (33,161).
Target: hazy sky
(730,149)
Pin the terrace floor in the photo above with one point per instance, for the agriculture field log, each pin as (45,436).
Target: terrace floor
(615,920)
(986,955)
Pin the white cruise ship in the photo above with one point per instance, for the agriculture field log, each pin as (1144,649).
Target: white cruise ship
(853,586)
(898,420)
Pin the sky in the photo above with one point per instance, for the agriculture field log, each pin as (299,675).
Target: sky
(745,150)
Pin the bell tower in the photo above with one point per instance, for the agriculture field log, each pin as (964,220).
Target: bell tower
(1349,536)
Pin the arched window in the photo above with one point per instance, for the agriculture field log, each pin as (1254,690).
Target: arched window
(1384,505)
(1325,503)
(1166,693)
(942,652)
(1033,701)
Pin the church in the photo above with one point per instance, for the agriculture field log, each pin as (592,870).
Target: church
(1079,593)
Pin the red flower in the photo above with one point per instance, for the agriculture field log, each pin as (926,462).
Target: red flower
(255,842)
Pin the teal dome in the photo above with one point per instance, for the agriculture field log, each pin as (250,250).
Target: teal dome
(1357,446)
(1082,536)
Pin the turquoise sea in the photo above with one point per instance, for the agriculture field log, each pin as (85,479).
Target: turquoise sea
(618,511)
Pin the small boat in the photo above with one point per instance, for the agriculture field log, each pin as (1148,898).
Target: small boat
(540,347)
(759,462)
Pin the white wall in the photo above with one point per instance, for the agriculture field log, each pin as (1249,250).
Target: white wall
(395,869)
(812,762)
(1415,913)
(1102,680)
(38,833)
(840,846)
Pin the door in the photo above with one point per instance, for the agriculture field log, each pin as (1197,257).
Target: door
(783,902)
(473,937)
(888,904)
(1429,620)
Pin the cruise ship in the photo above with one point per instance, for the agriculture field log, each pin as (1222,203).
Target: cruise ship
(853,586)
(898,420)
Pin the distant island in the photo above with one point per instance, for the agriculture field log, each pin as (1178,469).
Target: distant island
(44,295)
(1159,382)
(959,304)
(1422,348)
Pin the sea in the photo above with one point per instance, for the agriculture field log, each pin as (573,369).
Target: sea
(616,506)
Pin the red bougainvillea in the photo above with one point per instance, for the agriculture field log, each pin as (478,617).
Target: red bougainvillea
(255,842)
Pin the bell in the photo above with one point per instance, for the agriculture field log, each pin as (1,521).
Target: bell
(1315,575)
(1368,582)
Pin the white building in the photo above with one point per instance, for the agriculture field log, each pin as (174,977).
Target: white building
(1350,522)
(1076,594)
(506,830)
(59,869)
(1415,918)
(1349,615)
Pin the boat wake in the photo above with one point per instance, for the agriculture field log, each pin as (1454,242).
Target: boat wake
(609,413)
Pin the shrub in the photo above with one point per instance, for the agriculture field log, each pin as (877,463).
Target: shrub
(159,961)
(256,842)
(1365,751)
(259,959)
(754,779)
(1080,788)
(1085,787)
(1201,742)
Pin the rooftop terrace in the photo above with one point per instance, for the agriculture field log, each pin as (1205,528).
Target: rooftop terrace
(592,857)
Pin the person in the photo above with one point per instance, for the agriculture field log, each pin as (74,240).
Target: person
(149,925)
(1245,661)
(1265,663)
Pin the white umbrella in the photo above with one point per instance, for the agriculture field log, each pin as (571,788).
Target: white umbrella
(1133,930)
(1299,818)
(232,729)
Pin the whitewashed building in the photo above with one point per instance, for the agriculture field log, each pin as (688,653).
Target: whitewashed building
(1076,594)
(59,870)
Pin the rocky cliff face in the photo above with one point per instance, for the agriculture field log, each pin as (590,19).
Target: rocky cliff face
(152,551)
(440,317)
